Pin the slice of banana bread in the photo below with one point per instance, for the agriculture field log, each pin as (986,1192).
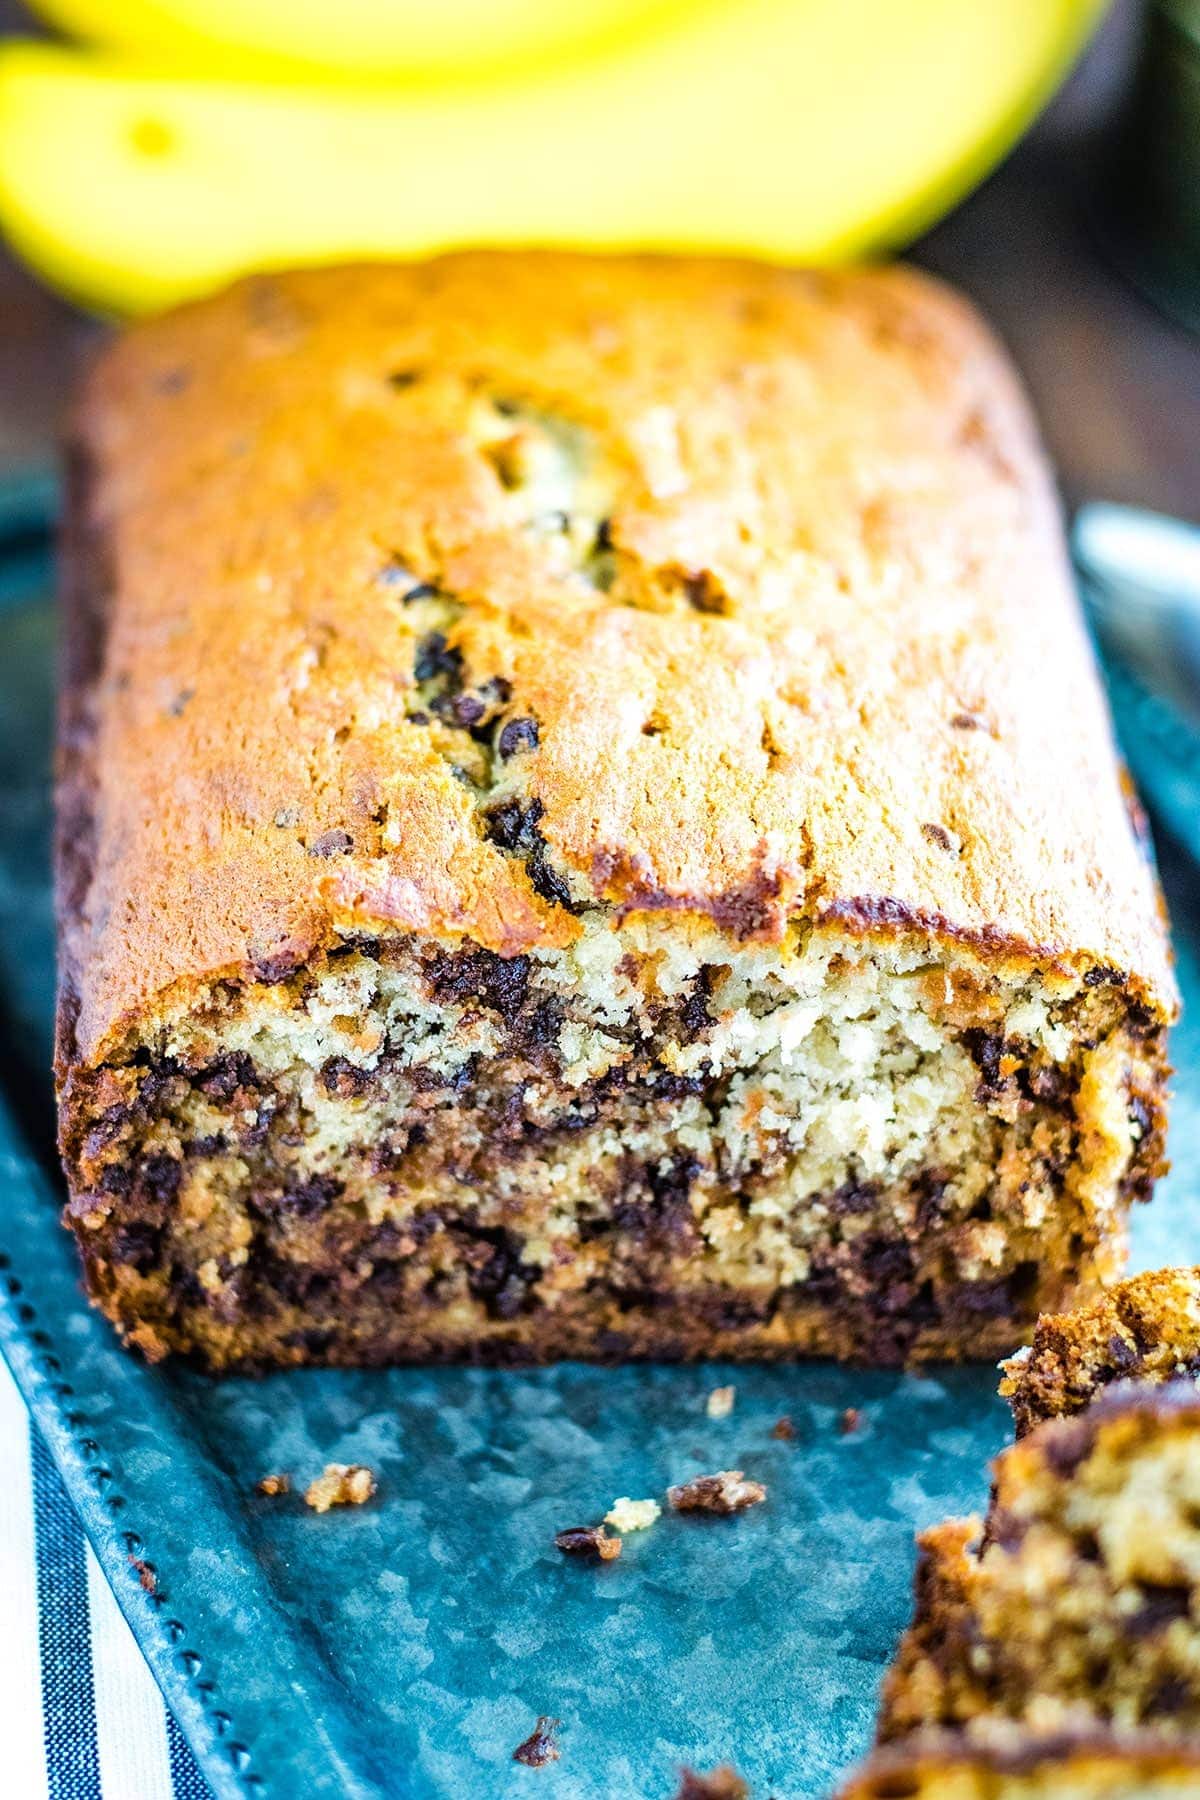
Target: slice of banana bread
(588,827)
(1146,1328)
(1021,1766)
(1079,1603)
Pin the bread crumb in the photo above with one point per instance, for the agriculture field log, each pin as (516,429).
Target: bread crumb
(271,1486)
(632,1515)
(725,1492)
(591,1541)
(342,1484)
(540,1747)
(720,1402)
(145,1574)
(850,1421)
(723,1783)
(783,1429)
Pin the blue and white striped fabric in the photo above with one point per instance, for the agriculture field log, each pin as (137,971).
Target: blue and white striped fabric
(80,1715)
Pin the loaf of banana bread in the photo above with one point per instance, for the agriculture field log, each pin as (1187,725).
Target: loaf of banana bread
(1144,1329)
(1024,1766)
(1078,1605)
(588,827)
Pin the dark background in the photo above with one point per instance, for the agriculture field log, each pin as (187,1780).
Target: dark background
(1117,386)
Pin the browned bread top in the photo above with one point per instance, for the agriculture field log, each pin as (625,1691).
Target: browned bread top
(763,567)
(1146,1328)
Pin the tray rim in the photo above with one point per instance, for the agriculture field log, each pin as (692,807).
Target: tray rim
(35,1267)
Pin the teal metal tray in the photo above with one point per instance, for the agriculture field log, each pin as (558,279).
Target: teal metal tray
(407,1647)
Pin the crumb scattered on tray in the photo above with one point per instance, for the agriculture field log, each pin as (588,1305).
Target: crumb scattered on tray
(591,1541)
(720,1402)
(722,1783)
(850,1421)
(541,1746)
(272,1486)
(725,1492)
(342,1484)
(783,1429)
(145,1574)
(632,1515)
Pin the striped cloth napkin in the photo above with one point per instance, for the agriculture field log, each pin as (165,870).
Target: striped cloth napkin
(80,1715)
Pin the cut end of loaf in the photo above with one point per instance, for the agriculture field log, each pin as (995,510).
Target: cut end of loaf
(651,1143)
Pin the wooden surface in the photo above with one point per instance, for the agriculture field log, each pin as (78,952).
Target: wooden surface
(1117,386)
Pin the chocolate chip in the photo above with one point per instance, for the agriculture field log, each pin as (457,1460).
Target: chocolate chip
(853,1199)
(513,826)
(345,1080)
(459,709)
(499,982)
(212,1145)
(986,1048)
(671,1186)
(517,735)
(1158,1607)
(159,1178)
(1173,1694)
(694,1016)
(548,882)
(504,1284)
(136,1246)
(590,1541)
(222,1078)
(539,1026)
(304,1200)
(435,658)
(1103,976)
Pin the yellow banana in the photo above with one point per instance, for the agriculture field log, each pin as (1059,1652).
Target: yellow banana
(413,39)
(799,131)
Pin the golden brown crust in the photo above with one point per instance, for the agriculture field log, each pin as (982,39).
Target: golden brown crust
(833,668)
(1146,1328)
